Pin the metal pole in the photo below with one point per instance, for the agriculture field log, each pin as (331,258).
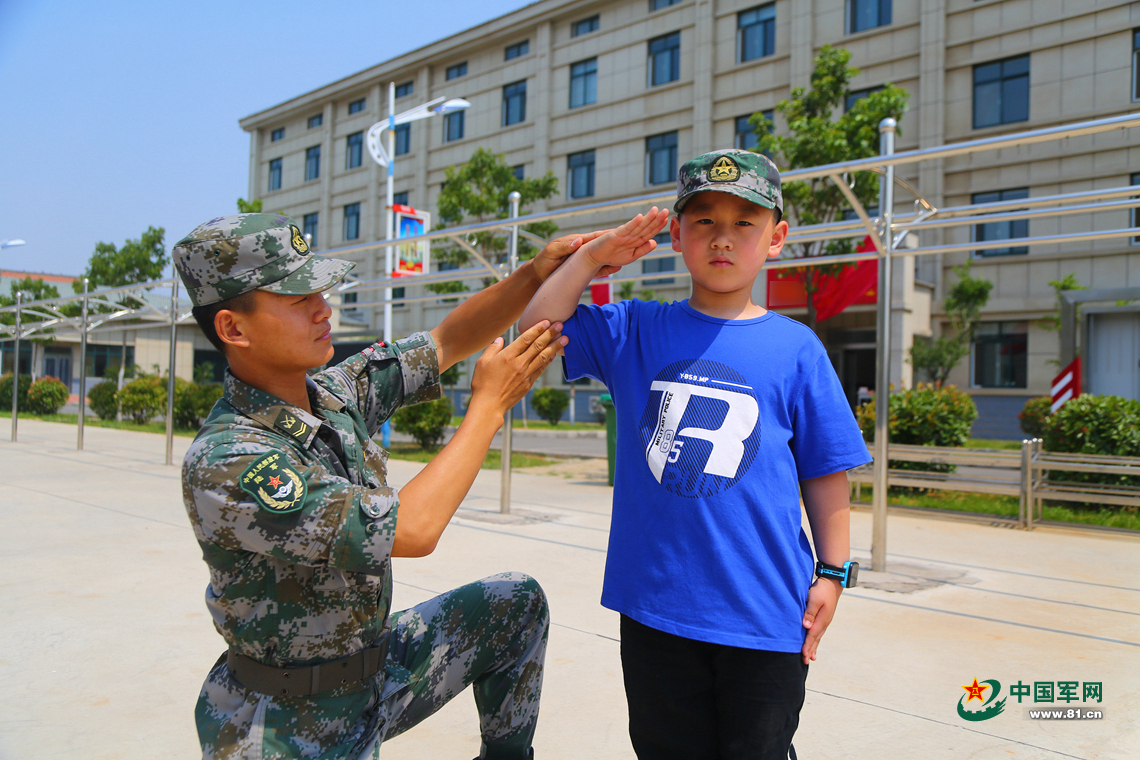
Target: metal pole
(887,128)
(170,380)
(509,419)
(390,233)
(1026,489)
(82,369)
(16,366)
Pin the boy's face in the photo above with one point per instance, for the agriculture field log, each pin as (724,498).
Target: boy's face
(281,333)
(725,240)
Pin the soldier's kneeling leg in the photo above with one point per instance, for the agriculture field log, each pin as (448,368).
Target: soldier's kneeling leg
(492,634)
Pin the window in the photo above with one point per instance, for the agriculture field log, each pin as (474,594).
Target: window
(275,174)
(756,33)
(356,106)
(400,199)
(352,221)
(656,5)
(277,134)
(854,96)
(519,171)
(404,89)
(667,264)
(580,174)
(1135,213)
(453,126)
(661,159)
(665,59)
(1135,66)
(1018,228)
(352,314)
(103,361)
(1001,92)
(746,138)
(458,70)
(309,227)
(585,26)
(316,121)
(516,50)
(867,14)
(583,83)
(354,150)
(312,163)
(514,103)
(403,139)
(1000,350)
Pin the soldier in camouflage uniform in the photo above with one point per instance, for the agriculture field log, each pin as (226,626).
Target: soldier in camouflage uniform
(288,498)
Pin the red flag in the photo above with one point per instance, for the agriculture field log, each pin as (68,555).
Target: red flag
(854,285)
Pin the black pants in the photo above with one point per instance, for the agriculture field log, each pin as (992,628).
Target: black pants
(691,700)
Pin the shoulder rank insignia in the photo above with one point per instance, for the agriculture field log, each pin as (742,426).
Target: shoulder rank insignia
(724,169)
(292,424)
(274,484)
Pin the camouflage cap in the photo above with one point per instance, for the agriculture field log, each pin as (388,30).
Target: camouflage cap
(231,255)
(751,176)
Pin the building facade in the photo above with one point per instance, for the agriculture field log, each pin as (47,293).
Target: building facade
(611,97)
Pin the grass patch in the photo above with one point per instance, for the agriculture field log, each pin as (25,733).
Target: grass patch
(544,425)
(73,419)
(493,461)
(987,443)
(1120,517)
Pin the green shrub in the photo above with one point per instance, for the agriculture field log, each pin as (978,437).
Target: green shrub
(193,401)
(102,399)
(143,399)
(550,403)
(425,423)
(21,394)
(47,395)
(1092,424)
(1035,416)
(926,415)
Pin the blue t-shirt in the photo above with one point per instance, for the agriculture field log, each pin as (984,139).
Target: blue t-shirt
(717,422)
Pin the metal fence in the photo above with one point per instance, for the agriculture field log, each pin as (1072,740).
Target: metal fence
(886,232)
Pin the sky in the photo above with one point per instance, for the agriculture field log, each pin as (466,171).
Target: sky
(116,116)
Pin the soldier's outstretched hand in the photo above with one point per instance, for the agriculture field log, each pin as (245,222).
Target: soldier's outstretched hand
(504,374)
(629,242)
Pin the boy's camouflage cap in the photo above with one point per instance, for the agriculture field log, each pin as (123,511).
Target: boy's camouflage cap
(231,255)
(749,175)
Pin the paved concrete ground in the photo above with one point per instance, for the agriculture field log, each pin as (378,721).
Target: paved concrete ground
(104,637)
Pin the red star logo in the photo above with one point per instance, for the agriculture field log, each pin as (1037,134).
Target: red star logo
(276,483)
(975,691)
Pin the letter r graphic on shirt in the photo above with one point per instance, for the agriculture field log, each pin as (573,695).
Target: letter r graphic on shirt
(727,440)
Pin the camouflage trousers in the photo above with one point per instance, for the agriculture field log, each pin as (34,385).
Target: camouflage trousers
(490,634)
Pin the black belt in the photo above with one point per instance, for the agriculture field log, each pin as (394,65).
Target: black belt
(307,680)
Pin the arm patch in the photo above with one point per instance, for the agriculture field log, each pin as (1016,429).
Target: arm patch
(274,484)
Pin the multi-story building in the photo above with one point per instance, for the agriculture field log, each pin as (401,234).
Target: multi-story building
(612,96)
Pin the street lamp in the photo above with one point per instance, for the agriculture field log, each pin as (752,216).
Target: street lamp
(12,243)
(387,157)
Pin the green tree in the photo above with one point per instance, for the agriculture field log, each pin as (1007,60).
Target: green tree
(249,207)
(137,261)
(814,137)
(627,291)
(477,192)
(964,303)
(34,289)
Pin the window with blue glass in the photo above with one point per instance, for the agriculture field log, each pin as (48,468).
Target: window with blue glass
(309,228)
(519,171)
(854,96)
(352,221)
(458,70)
(745,137)
(1001,350)
(516,50)
(277,134)
(585,26)
(999,231)
(756,33)
(400,199)
(1135,64)
(316,121)
(453,126)
(656,5)
(580,171)
(356,106)
(354,150)
(583,82)
(403,139)
(664,264)
(867,14)
(1001,92)
(404,89)
(275,174)
(312,163)
(661,158)
(514,103)
(665,59)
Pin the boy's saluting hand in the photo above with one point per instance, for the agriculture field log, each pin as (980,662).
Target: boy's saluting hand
(629,242)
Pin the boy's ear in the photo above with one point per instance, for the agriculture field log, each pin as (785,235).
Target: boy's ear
(675,232)
(232,328)
(779,235)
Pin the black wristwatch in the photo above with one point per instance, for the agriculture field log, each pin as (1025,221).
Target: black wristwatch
(848,575)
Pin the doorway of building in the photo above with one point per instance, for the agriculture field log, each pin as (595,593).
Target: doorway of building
(858,375)
(1114,354)
(57,363)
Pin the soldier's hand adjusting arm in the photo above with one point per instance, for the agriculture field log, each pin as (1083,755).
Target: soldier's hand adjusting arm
(502,377)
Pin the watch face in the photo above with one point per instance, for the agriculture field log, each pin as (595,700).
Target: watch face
(852,574)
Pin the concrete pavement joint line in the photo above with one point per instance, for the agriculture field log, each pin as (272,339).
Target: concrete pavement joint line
(544,506)
(1000,570)
(530,538)
(944,723)
(99,506)
(551,522)
(996,620)
(175,471)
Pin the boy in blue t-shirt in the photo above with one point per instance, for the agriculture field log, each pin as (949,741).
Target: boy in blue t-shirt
(727,415)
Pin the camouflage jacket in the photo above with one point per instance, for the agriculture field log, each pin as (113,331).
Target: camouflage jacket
(292,509)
